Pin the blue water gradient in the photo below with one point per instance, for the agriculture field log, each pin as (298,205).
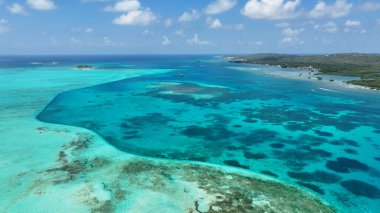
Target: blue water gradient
(317,135)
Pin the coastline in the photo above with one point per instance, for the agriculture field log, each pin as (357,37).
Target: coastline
(77,169)
(304,75)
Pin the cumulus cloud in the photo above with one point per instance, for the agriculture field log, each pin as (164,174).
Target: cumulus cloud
(339,9)
(166,41)
(196,41)
(370,6)
(41,4)
(189,16)
(123,6)
(134,13)
(214,23)
(329,27)
(271,9)
(291,36)
(352,23)
(136,17)
(3,26)
(220,6)
(17,9)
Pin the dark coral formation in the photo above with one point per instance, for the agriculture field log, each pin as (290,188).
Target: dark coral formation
(266,172)
(254,156)
(346,165)
(360,188)
(316,176)
(235,163)
(277,145)
(312,187)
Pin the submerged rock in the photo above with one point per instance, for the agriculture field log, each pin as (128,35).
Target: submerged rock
(346,165)
(360,188)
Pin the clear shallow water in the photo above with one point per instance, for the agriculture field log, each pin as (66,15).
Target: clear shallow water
(314,134)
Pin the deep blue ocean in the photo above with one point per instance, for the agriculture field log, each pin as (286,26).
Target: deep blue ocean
(318,135)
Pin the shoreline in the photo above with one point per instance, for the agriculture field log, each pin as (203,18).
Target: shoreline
(304,75)
(69,145)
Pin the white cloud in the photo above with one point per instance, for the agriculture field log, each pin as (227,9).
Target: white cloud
(329,27)
(196,41)
(220,6)
(166,41)
(339,9)
(123,6)
(271,9)
(136,17)
(282,25)
(4,26)
(214,23)
(370,6)
(189,16)
(81,29)
(168,22)
(41,4)
(179,32)
(17,9)
(291,36)
(147,32)
(352,23)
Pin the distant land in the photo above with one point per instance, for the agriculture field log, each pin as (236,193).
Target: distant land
(365,66)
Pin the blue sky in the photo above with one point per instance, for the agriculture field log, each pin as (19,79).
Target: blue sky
(184,26)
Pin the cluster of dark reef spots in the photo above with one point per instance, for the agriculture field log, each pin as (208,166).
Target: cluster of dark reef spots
(266,172)
(237,126)
(254,156)
(360,188)
(316,176)
(344,141)
(291,119)
(313,187)
(351,151)
(346,165)
(301,156)
(210,133)
(72,168)
(277,145)
(129,135)
(377,131)
(235,163)
(323,134)
(148,119)
(377,158)
(257,136)
(234,148)
(311,140)
(218,119)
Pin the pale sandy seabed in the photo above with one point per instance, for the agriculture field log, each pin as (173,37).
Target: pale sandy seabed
(54,168)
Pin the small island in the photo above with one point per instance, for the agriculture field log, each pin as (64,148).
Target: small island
(84,67)
(364,66)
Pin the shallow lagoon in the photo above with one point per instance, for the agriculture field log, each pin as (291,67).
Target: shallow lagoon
(318,135)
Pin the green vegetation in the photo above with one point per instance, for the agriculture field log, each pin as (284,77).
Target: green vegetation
(365,66)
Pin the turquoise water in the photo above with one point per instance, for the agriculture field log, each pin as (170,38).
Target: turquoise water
(317,135)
